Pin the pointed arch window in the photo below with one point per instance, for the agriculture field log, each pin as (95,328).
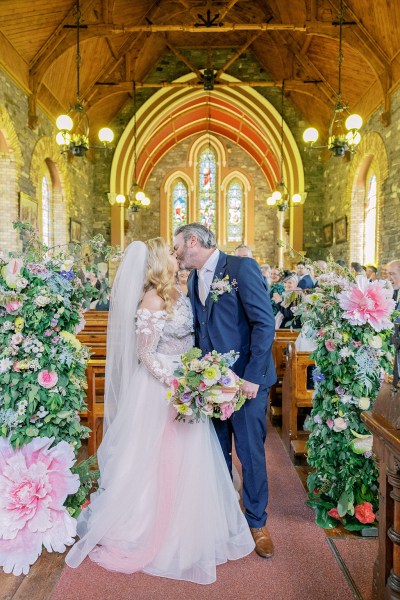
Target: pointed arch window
(207,186)
(235,211)
(179,201)
(46,215)
(369,254)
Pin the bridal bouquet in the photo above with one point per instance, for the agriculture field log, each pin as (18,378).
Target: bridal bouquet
(206,387)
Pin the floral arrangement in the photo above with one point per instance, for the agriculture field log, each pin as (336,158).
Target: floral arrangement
(350,321)
(222,286)
(206,387)
(43,296)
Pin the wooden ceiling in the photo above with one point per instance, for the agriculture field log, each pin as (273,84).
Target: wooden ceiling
(123,41)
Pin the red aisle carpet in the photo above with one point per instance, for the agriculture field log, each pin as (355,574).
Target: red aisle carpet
(303,567)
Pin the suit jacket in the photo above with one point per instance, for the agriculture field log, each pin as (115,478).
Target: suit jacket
(306,283)
(241,320)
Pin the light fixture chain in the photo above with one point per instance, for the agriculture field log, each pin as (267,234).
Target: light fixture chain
(78,52)
(340,59)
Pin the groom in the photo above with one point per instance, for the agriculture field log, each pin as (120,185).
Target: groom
(241,319)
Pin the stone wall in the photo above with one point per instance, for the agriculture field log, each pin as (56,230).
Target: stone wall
(22,151)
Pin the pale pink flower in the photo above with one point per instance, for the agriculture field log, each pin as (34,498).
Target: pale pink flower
(34,483)
(368,302)
(339,424)
(13,306)
(227,410)
(16,338)
(330,345)
(47,379)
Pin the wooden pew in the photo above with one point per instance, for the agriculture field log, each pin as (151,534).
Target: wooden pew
(282,338)
(296,394)
(96,341)
(95,374)
(96,320)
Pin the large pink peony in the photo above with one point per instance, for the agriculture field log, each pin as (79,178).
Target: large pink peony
(368,302)
(34,483)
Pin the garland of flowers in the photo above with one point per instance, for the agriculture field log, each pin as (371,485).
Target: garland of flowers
(350,322)
(43,296)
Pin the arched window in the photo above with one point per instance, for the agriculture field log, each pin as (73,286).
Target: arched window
(46,215)
(369,254)
(179,201)
(235,211)
(207,187)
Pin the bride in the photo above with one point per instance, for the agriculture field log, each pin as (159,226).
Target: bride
(166,504)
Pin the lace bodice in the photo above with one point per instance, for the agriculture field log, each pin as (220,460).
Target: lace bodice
(161,335)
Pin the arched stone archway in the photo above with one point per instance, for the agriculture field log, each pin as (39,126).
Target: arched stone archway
(46,154)
(11,163)
(371,156)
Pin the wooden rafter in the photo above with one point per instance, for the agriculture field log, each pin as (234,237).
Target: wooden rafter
(227,8)
(183,58)
(236,56)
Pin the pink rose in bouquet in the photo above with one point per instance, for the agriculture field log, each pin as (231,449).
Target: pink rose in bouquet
(47,379)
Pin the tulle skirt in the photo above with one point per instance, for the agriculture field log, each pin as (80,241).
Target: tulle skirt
(166,504)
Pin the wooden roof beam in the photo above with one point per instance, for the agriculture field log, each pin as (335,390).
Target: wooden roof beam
(107,29)
(184,60)
(227,8)
(236,56)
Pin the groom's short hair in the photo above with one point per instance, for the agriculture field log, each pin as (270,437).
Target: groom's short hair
(205,236)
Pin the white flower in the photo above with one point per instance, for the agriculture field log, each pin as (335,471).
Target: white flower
(67,264)
(16,338)
(21,282)
(42,300)
(346,399)
(364,403)
(345,352)
(339,424)
(375,341)
(5,365)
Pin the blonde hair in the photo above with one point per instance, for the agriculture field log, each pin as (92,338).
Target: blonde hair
(160,274)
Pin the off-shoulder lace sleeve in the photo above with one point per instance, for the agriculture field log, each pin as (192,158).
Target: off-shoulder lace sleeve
(149,327)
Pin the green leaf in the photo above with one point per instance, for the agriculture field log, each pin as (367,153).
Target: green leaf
(323,520)
(32,431)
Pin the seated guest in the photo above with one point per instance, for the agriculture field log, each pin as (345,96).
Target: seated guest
(393,269)
(372,272)
(243,251)
(357,269)
(288,320)
(383,272)
(341,263)
(266,272)
(182,277)
(304,280)
(276,287)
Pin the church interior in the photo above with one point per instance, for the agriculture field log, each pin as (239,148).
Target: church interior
(272,122)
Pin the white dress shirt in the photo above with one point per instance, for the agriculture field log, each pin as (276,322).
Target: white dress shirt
(208,270)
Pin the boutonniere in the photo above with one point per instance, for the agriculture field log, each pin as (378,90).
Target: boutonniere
(222,286)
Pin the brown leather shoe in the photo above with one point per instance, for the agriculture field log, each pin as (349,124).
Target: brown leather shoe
(262,538)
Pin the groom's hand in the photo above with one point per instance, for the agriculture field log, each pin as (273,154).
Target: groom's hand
(249,389)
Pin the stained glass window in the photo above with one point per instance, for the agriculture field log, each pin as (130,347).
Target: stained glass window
(179,204)
(46,212)
(207,185)
(235,211)
(370,223)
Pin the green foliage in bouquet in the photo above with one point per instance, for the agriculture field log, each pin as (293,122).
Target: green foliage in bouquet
(350,322)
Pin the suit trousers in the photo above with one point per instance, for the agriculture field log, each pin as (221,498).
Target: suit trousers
(248,426)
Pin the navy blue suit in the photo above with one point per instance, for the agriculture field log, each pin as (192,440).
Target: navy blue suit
(242,321)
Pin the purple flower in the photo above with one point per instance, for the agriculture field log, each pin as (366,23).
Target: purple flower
(186,397)
(225,380)
(54,322)
(330,423)
(339,390)
(68,275)
(368,454)
(317,376)
(318,419)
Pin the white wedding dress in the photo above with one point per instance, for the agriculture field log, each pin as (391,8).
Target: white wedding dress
(166,504)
